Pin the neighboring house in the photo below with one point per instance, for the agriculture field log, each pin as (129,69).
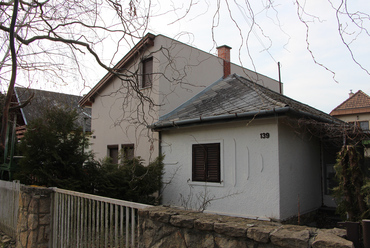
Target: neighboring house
(42,100)
(356,110)
(153,78)
(244,149)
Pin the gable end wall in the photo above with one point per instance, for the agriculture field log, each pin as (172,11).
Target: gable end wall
(299,171)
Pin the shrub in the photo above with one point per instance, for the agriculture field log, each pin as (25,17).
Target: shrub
(53,151)
(131,180)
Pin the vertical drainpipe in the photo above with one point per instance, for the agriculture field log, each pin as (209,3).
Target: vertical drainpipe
(323,175)
(159,143)
(280,89)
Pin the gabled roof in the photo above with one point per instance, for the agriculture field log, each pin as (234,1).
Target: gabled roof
(356,104)
(147,41)
(236,97)
(45,99)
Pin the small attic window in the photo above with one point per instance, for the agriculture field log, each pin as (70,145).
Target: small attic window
(147,73)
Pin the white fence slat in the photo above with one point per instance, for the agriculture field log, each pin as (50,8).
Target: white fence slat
(111,225)
(93,224)
(116,237)
(106,225)
(127,225)
(121,227)
(133,225)
(78,215)
(97,225)
(101,223)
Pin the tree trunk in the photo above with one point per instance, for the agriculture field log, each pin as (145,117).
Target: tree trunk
(9,94)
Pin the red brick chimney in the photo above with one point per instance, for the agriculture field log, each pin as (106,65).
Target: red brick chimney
(224,53)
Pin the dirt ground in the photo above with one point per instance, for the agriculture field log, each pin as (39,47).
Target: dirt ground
(322,218)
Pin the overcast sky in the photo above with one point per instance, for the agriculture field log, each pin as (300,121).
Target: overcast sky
(277,35)
(284,34)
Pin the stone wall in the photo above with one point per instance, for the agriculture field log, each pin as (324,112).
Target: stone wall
(33,227)
(169,227)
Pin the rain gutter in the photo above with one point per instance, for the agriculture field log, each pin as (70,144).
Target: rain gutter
(262,113)
(201,120)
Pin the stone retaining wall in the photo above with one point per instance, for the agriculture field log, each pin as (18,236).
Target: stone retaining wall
(169,227)
(33,227)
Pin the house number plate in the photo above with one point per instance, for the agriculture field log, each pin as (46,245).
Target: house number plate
(265,135)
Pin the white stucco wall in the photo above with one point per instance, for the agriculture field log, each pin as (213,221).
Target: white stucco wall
(271,177)
(300,172)
(112,124)
(354,117)
(249,168)
(179,72)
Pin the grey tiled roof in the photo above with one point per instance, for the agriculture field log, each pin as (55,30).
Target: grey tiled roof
(235,96)
(46,99)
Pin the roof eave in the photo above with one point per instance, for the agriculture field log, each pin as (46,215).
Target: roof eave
(219,118)
(246,115)
(350,111)
(148,40)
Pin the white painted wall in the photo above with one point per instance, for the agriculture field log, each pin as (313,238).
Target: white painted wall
(110,124)
(268,174)
(249,167)
(180,72)
(300,172)
(354,117)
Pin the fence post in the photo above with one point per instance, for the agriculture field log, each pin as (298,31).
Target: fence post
(366,233)
(34,217)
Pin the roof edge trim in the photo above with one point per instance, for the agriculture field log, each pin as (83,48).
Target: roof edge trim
(148,39)
(252,114)
(199,120)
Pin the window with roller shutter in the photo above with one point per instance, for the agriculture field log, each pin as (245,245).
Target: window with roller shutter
(147,73)
(206,162)
(113,153)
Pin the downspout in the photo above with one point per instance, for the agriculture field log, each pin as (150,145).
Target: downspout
(323,174)
(280,88)
(159,143)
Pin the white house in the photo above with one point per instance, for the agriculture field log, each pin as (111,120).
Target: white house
(242,149)
(152,79)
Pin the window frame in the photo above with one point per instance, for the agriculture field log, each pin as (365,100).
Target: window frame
(359,124)
(212,150)
(124,148)
(111,148)
(147,78)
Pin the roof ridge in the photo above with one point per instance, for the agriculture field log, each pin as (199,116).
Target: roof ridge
(48,91)
(259,89)
(352,100)
(187,102)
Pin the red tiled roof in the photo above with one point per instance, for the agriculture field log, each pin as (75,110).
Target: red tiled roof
(356,104)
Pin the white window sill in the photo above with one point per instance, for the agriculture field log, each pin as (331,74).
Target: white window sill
(208,184)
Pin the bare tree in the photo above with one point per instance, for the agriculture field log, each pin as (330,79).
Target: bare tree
(53,38)
(49,39)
